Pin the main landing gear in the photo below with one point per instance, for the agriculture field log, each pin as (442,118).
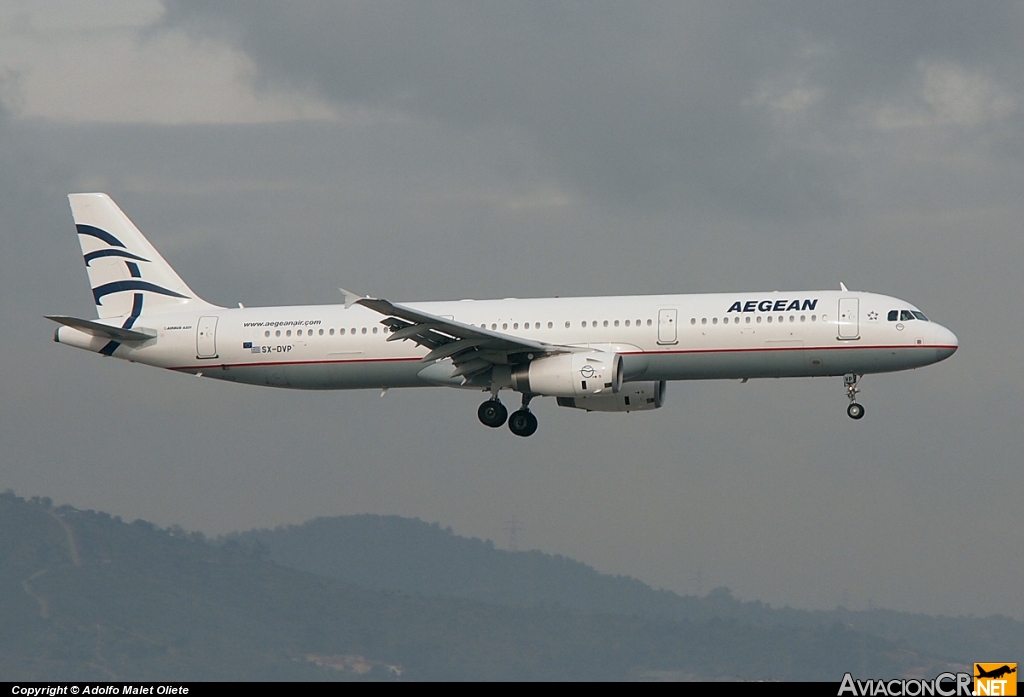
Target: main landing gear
(492,413)
(522,422)
(855,410)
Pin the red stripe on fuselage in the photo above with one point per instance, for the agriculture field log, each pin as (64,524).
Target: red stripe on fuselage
(624,353)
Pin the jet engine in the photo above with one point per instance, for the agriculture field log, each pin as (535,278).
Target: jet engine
(634,396)
(570,375)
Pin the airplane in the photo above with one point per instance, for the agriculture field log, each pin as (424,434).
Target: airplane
(995,673)
(604,354)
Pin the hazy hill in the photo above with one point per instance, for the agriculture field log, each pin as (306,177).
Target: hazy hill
(87,596)
(409,556)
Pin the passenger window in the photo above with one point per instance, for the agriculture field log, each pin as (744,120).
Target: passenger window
(616,323)
(814,318)
(759,319)
(769,319)
(748,319)
(566,325)
(550,325)
(714,320)
(693,320)
(703,320)
(504,325)
(627,322)
(516,325)
(266,333)
(649,323)
(606,323)
(364,330)
(375,330)
(331,331)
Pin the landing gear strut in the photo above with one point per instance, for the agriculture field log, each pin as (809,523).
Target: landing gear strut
(523,422)
(492,413)
(855,410)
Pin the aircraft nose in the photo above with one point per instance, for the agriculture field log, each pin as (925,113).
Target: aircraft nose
(946,342)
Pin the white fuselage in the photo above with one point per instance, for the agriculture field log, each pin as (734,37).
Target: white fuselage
(660,337)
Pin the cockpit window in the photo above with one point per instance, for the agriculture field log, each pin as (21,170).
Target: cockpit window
(906,315)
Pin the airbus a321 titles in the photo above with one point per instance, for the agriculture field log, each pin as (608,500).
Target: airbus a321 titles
(610,354)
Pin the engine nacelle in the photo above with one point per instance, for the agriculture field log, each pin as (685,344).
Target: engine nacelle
(634,396)
(570,375)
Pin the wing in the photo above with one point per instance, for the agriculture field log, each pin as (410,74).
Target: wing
(474,351)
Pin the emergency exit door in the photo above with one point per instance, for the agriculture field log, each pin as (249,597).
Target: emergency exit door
(667,320)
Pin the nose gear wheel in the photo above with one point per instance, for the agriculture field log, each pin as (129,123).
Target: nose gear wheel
(854,411)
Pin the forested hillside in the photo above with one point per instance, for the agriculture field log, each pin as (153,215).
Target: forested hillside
(410,556)
(87,596)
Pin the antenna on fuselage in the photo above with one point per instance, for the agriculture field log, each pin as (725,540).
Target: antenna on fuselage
(842,287)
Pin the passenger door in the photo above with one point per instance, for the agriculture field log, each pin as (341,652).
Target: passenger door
(206,337)
(849,318)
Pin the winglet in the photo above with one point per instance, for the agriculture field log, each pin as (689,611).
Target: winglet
(351,298)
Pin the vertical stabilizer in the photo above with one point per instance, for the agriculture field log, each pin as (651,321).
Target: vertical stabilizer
(128,276)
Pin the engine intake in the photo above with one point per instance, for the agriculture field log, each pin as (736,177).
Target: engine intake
(570,375)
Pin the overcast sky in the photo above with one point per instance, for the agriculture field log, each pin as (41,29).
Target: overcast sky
(439,150)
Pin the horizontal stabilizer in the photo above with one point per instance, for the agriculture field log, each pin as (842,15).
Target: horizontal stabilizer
(104,330)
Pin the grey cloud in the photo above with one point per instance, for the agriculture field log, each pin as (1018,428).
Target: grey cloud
(644,103)
(626,104)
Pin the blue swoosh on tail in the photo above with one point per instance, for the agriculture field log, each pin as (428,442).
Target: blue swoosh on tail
(132,284)
(112,253)
(99,234)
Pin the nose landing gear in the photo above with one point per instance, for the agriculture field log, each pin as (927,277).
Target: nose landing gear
(854,411)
